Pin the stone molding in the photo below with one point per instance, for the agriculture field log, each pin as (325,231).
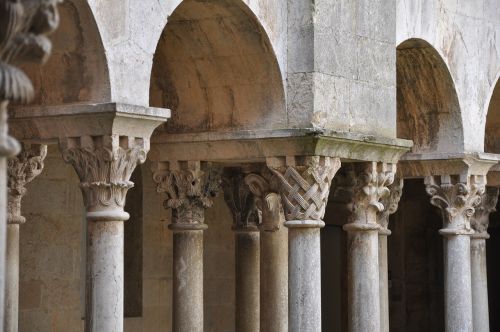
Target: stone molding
(190,187)
(456,197)
(264,186)
(390,203)
(21,170)
(480,219)
(241,201)
(364,189)
(304,185)
(104,165)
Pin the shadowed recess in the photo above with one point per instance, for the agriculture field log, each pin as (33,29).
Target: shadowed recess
(77,69)
(428,111)
(215,68)
(492,135)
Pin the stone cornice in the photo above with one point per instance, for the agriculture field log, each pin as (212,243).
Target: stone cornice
(256,146)
(49,123)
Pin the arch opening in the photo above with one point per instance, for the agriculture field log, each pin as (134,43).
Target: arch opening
(215,68)
(492,132)
(76,71)
(428,110)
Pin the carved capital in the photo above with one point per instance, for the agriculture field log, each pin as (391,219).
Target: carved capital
(304,185)
(390,203)
(457,199)
(104,165)
(240,201)
(267,199)
(480,219)
(21,170)
(189,190)
(363,187)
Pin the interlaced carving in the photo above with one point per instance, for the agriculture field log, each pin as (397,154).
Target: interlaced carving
(304,189)
(21,170)
(240,201)
(457,200)
(363,188)
(189,192)
(267,199)
(104,165)
(480,219)
(390,203)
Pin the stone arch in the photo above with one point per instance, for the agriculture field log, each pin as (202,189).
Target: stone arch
(428,109)
(215,68)
(77,69)
(492,129)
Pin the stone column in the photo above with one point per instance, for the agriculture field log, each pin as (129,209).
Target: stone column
(21,170)
(456,197)
(189,190)
(104,165)
(479,223)
(22,39)
(241,202)
(273,254)
(364,185)
(304,185)
(390,203)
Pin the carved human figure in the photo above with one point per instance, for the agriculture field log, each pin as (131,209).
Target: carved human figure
(189,188)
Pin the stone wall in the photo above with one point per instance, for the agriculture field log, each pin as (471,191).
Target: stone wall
(51,258)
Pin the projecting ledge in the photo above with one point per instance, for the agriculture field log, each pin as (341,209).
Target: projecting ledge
(45,124)
(256,146)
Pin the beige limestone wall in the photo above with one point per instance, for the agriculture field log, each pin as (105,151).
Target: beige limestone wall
(51,258)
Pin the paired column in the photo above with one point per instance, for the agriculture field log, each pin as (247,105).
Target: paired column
(104,165)
(22,169)
(273,254)
(189,190)
(304,185)
(390,203)
(479,223)
(241,202)
(364,185)
(457,197)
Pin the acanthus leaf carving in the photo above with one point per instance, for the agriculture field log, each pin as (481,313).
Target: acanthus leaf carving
(241,201)
(304,188)
(390,203)
(21,170)
(480,219)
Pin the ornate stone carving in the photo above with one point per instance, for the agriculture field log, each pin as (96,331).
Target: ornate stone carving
(21,170)
(456,198)
(104,165)
(390,203)
(240,201)
(189,190)
(364,188)
(305,187)
(267,199)
(480,219)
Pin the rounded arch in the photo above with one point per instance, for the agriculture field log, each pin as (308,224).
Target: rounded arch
(215,68)
(428,109)
(492,127)
(77,69)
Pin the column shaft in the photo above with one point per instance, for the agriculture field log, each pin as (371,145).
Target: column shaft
(105,275)
(304,278)
(479,285)
(188,281)
(383,282)
(12,279)
(247,281)
(274,281)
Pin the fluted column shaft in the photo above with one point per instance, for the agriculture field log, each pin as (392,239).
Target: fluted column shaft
(479,223)
(22,169)
(304,185)
(456,198)
(104,165)
(364,185)
(189,188)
